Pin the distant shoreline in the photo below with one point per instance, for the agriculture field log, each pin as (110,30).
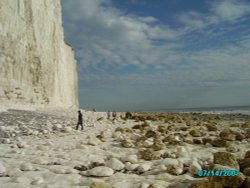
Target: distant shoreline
(204,109)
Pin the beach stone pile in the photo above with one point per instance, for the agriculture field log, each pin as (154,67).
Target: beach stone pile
(152,141)
(163,145)
(17,123)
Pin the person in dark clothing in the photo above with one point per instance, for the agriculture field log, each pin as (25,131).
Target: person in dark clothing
(79,120)
(128,115)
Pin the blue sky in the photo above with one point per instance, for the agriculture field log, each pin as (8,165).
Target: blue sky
(157,54)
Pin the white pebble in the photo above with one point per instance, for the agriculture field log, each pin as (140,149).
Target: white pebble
(130,158)
(37,181)
(115,164)
(40,161)
(26,167)
(22,144)
(67,129)
(144,168)
(100,171)
(94,141)
(131,167)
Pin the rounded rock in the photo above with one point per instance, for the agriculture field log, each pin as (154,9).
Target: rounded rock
(131,167)
(26,167)
(94,141)
(67,129)
(144,168)
(37,181)
(246,171)
(130,158)
(100,185)
(101,171)
(115,164)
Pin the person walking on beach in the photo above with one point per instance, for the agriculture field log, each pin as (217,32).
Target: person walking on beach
(79,120)
(114,115)
(108,114)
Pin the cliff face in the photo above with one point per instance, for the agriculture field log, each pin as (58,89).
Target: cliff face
(37,68)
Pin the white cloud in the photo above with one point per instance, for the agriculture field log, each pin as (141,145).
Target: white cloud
(107,41)
(223,11)
(231,10)
(193,19)
(105,34)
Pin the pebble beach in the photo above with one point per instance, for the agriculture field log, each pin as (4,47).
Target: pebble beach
(150,150)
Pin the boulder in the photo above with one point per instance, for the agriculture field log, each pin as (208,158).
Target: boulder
(232,148)
(206,184)
(101,171)
(168,154)
(94,141)
(196,133)
(126,143)
(247,154)
(219,143)
(100,185)
(244,163)
(57,127)
(143,168)
(239,136)
(158,146)
(197,141)
(246,183)
(130,158)
(175,169)
(226,159)
(37,181)
(172,139)
(40,161)
(206,140)
(227,134)
(150,133)
(149,154)
(26,167)
(21,144)
(227,181)
(115,164)
(246,171)
(67,129)
(211,127)
(131,167)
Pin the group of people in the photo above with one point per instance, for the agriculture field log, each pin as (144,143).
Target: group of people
(113,115)
(128,115)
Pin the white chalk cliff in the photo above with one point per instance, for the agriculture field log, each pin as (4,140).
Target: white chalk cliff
(37,68)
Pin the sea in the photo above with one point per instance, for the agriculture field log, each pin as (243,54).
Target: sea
(210,110)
